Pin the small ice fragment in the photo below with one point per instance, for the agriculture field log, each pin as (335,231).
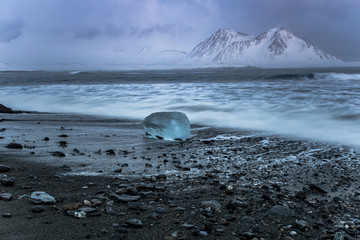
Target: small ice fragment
(167,125)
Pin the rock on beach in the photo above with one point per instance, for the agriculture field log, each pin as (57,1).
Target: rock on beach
(4,109)
(43,197)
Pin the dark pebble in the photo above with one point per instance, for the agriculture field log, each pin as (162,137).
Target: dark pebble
(137,206)
(229,217)
(314,187)
(159,210)
(198,233)
(136,223)
(188,225)
(109,210)
(7,182)
(6,215)
(4,168)
(37,209)
(5,196)
(161,176)
(208,226)
(280,210)
(124,197)
(14,146)
(58,154)
(63,135)
(123,230)
(63,144)
(110,152)
(119,170)
(301,195)
(46,139)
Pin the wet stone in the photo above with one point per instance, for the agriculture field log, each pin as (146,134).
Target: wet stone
(301,195)
(154,216)
(7,182)
(179,209)
(137,206)
(316,188)
(4,168)
(161,176)
(229,217)
(125,198)
(58,154)
(135,223)
(208,226)
(6,215)
(88,209)
(109,210)
(5,196)
(198,233)
(188,225)
(280,210)
(110,152)
(213,204)
(14,145)
(43,197)
(37,209)
(301,224)
(159,210)
(219,230)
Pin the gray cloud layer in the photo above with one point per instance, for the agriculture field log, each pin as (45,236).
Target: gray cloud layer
(91,31)
(10,30)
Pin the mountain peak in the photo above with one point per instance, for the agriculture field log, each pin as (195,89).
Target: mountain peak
(227,31)
(277,45)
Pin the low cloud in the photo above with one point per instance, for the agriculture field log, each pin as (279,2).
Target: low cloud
(87,33)
(10,30)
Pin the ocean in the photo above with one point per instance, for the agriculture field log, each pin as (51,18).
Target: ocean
(318,104)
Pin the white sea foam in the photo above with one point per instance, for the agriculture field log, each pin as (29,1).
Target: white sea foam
(323,110)
(337,76)
(74,72)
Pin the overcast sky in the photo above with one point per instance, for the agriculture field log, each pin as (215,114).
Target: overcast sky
(40,33)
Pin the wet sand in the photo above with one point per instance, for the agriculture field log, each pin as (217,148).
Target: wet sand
(219,184)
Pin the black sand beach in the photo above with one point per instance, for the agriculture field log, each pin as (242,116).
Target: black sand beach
(219,184)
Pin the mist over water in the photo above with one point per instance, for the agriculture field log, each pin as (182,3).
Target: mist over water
(321,104)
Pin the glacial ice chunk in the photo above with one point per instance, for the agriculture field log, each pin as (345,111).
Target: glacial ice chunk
(167,125)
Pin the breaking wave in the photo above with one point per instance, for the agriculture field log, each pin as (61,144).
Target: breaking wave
(312,106)
(337,76)
(317,76)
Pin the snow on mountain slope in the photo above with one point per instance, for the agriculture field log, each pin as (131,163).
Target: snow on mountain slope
(211,47)
(276,46)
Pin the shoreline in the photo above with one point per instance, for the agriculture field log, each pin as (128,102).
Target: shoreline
(244,187)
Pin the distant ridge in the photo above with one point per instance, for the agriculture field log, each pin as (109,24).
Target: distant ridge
(275,46)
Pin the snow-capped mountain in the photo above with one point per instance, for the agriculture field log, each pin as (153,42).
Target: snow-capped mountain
(275,46)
